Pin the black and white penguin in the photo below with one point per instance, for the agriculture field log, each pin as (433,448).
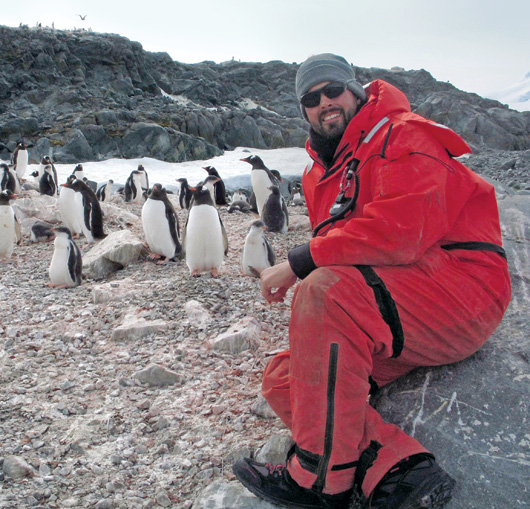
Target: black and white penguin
(104,192)
(71,208)
(47,161)
(296,197)
(239,206)
(219,187)
(48,182)
(92,224)
(209,183)
(275,214)
(257,253)
(8,179)
(161,226)
(240,195)
(133,191)
(144,178)
(33,183)
(66,265)
(79,172)
(262,179)
(20,159)
(205,241)
(8,232)
(41,232)
(184,193)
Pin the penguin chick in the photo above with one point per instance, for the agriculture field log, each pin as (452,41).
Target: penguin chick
(161,226)
(8,228)
(219,187)
(257,253)
(66,264)
(275,214)
(205,241)
(41,232)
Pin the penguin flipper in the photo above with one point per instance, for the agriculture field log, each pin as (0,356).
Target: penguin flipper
(225,237)
(271,256)
(18,232)
(173,222)
(285,212)
(74,263)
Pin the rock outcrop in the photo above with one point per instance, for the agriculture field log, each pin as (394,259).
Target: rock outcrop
(82,96)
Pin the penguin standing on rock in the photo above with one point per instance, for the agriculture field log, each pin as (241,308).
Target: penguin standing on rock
(133,187)
(275,214)
(20,159)
(219,187)
(205,241)
(161,226)
(48,181)
(262,179)
(184,194)
(257,253)
(8,232)
(66,265)
(92,224)
(104,192)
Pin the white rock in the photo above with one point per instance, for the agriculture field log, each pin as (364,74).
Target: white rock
(241,336)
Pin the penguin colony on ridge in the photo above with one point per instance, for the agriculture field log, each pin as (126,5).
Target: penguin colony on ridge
(66,264)
(161,226)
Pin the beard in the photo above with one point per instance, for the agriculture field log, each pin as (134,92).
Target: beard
(331,130)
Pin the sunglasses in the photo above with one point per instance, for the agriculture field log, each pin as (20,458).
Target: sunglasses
(331,91)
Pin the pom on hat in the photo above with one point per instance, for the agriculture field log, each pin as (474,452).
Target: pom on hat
(327,67)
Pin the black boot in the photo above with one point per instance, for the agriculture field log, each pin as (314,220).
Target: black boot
(414,483)
(274,484)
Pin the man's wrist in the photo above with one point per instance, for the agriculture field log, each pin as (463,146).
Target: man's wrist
(301,261)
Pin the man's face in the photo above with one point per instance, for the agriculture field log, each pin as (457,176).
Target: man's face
(331,116)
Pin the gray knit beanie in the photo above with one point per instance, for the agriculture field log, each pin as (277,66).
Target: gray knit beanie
(327,67)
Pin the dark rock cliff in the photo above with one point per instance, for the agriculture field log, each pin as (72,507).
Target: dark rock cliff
(80,96)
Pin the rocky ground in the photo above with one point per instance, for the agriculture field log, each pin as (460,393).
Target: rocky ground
(92,417)
(83,430)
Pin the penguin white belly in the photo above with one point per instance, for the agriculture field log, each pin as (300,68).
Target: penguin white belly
(156,228)
(22,162)
(138,197)
(255,256)
(204,239)
(260,185)
(70,215)
(58,271)
(7,231)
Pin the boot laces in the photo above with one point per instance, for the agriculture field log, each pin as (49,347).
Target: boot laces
(275,470)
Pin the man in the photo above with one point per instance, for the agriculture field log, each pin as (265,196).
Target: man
(405,269)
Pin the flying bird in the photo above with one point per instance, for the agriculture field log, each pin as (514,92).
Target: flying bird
(82,17)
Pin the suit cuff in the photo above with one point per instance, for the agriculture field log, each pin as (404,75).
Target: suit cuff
(301,261)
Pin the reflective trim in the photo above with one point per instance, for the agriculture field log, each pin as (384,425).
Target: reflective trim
(378,126)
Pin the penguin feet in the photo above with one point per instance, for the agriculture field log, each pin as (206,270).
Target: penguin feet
(154,256)
(195,273)
(214,272)
(162,262)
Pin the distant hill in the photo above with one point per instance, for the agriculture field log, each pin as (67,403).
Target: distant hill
(82,96)
(517,96)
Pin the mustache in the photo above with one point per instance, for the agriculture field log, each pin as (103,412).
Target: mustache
(330,111)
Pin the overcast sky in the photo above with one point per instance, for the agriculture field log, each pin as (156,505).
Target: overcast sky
(478,46)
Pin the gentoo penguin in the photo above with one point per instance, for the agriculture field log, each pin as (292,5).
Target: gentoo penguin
(275,214)
(296,197)
(66,265)
(71,207)
(184,194)
(41,232)
(205,241)
(92,224)
(161,226)
(79,172)
(144,178)
(20,159)
(47,161)
(133,187)
(239,206)
(47,182)
(8,234)
(262,179)
(104,192)
(8,179)
(32,184)
(257,254)
(209,183)
(219,187)
(239,195)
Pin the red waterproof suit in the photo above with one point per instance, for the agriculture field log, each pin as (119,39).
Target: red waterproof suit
(429,228)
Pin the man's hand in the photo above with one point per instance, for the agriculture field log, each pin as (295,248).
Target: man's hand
(276,280)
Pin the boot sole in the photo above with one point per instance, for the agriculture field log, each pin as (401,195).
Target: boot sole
(434,493)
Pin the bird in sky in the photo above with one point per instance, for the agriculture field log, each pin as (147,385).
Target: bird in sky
(82,17)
